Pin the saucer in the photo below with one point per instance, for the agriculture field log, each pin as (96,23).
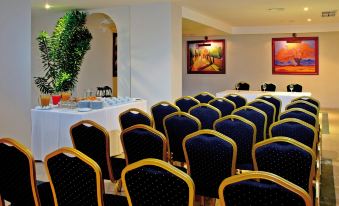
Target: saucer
(85,109)
(43,108)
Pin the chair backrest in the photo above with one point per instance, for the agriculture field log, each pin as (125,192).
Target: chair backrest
(304,105)
(296,88)
(269,87)
(93,140)
(244,133)
(186,102)
(224,105)
(301,114)
(204,97)
(238,100)
(154,182)
(141,142)
(295,129)
(210,158)
(287,158)
(160,111)
(175,133)
(266,107)
(242,86)
(17,174)
(255,115)
(275,101)
(206,113)
(75,178)
(134,116)
(308,99)
(245,189)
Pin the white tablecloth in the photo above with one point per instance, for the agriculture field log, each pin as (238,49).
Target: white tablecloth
(50,128)
(285,97)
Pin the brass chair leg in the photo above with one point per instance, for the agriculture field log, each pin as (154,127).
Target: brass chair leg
(118,186)
(202,201)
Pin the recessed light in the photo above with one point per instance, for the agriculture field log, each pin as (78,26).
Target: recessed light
(47,6)
(305,8)
(309,20)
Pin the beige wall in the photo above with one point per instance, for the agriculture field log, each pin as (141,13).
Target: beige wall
(249,59)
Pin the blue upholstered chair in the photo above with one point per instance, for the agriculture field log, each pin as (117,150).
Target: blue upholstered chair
(266,107)
(177,126)
(134,116)
(76,180)
(160,111)
(304,105)
(210,157)
(206,113)
(152,182)
(287,158)
(204,97)
(275,101)
(93,140)
(186,102)
(301,114)
(242,86)
(238,100)
(18,184)
(268,87)
(295,129)
(261,189)
(308,99)
(244,133)
(257,117)
(141,142)
(224,105)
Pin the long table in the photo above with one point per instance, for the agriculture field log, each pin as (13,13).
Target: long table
(50,128)
(285,97)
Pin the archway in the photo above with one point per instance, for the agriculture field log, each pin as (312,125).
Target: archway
(100,63)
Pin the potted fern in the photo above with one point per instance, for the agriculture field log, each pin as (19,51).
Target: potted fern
(62,53)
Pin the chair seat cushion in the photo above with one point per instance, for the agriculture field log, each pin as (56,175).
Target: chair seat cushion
(115,200)
(118,164)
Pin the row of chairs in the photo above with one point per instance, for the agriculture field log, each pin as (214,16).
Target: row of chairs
(268,87)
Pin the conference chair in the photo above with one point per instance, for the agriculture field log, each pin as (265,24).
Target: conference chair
(294,88)
(76,180)
(177,126)
(159,111)
(204,97)
(238,100)
(266,107)
(273,100)
(93,140)
(243,132)
(153,182)
(18,184)
(287,158)
(308,99)
(134,116)
(261,189)
(304,105)
(206,113)
(210,157)
(269,87)
(224,105)
(256,116)
(242,86)
(301,114)
(186,102)
(141,142)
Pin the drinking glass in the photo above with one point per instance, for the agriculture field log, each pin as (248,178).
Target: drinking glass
(65,96)
(291,87)
(44,100)
(264,87)
(237,87)
(56,99)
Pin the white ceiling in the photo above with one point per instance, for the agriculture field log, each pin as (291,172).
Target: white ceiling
(237,13)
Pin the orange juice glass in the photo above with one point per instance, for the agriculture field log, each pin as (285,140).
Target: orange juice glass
(65,96)
(44,100)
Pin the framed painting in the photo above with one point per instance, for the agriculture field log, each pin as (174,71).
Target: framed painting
(295,55)
(206,57)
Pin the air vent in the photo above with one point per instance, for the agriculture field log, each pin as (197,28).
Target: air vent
(328,13)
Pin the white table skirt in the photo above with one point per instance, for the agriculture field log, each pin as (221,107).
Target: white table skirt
(50,128)
(285,97)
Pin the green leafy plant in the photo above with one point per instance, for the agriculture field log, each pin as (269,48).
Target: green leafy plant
(63,52)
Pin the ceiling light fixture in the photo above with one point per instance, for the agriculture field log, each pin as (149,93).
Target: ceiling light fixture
(305,8)
(47,6)
(309,20)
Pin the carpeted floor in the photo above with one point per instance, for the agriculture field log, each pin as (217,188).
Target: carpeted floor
(327,192)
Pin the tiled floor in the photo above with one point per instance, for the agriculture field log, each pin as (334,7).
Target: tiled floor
(330,151)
